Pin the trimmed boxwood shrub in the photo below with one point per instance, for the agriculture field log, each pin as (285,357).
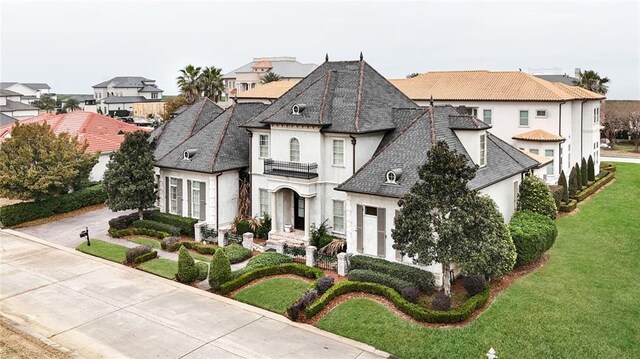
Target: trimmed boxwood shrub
(170,244)
(125,221)
(219,269)
(532,234)
(474,284)
(287,268)
(366,275)
(243,226)
(156,226)
(146,257)
(203,271)
(119,233)
(184,224)
(594,187)
(557,193)
(205,248)
(534,195)
(236,253)
(268,259)
(28,211)
(591,172)
(187,271)
(422,279)
(133,253)
(584,172)
(323,284)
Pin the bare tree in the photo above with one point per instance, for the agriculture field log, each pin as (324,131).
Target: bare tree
(634,128)
(613,122)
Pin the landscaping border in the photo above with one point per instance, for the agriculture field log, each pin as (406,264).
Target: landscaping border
(288,268)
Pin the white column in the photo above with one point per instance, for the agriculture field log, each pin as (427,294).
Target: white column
(272,208)
(307,219)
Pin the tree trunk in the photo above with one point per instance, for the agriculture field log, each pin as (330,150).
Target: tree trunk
(140,213)
(446,279)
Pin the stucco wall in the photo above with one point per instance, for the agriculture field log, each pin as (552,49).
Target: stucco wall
(98,170)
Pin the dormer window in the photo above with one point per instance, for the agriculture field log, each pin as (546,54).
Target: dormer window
(188,154)
(483,150)
(393,176)
(298,108)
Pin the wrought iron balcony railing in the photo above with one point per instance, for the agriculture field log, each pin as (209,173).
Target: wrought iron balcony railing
(290,169)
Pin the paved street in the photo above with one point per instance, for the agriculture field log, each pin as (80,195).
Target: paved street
(620,159)
(100,309)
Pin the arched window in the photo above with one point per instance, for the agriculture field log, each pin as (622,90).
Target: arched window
(294,150)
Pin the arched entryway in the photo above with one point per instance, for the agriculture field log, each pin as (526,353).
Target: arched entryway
(290,212)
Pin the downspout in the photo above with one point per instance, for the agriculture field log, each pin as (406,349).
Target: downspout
(217,202)
(581,128)
(353,146)
(560,154)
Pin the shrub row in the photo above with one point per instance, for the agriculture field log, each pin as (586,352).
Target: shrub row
(607,166)
(119,233)
(156,226)
(29,211)
(580,196)
(422,279)
(236,253)
(568,207)
(125,221)
(366,275)
(415,311)
(135,252)
(532,234)
(184,224)
(287,268)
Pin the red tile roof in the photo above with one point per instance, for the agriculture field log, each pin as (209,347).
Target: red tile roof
(99,131)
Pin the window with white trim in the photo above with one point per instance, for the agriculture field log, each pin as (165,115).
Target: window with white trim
(264,202)
(195,199)
(173,195)
(338,152)
(264,146)
(596,115)
(473,111)
(483,150)
(549,154)
(541,113)
(524,118)
(338,216)
(294,150)
(486,116)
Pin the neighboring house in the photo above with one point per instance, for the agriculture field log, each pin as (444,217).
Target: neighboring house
(11,105)
(562,78)
(549,119)
(87,103)
(30,91)
(124,93)
(248,76)
(266,93)
(103,134)
(200,156)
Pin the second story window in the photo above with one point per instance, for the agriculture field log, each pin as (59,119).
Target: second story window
(596,115)
(483,150)
(541,113)
(294,150)
(154,95)
(473,111)
(338,152)
(524,118)
(264,146)
(549,154)
(486,116)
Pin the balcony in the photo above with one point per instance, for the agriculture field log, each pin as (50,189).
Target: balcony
(290,169)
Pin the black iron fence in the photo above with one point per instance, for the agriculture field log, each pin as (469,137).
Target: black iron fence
(298,253)
(326,262)
(233,238)
(291,169)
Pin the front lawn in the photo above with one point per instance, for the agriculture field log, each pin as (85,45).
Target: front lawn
(155,244)
(275,294)
(583,303)
(161,266)
(106,250)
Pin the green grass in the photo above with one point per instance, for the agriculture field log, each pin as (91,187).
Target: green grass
(106,250)
(146,242)
(583,303)
(160,266)
(200,257)
(275,294)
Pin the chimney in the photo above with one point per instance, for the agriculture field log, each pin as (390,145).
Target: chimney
(577,72)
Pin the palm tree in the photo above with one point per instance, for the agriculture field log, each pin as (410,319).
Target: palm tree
(45,102)
(270,77)
(71,105)
(211,83)
(189,82)
(591,81)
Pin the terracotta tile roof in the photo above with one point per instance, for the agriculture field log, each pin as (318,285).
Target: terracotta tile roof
(263,65)
(271,90)
(542,160)
(485,85)
(538,136)
(99,131)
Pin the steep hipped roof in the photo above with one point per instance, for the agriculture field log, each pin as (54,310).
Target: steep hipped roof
(538,136)
(287,67)
(125,82)
(485,85)
(102,133)
(342,96)
(503,160)
(150,89)
(183,126)
(269,91)
(221,145)
(31,85)
(7,93)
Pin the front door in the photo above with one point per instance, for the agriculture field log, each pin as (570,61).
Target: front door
(298,211)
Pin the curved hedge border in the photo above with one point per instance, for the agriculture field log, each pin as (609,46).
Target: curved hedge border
(415,311)
(288,268)
(119,233)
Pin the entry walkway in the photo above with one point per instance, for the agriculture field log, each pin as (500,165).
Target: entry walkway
(100,309)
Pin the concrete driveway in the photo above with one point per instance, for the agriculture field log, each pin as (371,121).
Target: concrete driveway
(100,309)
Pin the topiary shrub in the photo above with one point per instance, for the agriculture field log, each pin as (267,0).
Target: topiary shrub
(584,173)
(323,284)
(556,192)
(125,221)
(146,257)
(534,196)
(532,234)
(203,271)
(474,284)
(268,259)
(207,249)
(156,226)
(184,224)
(565,189)
(441,302)
(170,244)
(421,279)
(236,253)
(365,275)
(133,253)
(591,171)
(219,269)
(578,177)
(187,271)
(411,294)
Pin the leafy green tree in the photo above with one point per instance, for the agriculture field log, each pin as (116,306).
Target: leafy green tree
(189,82)
(35,164)
(412,75)
(46,103)
(428,228)
(211,83)
(573,182)
(591,169)
(187,270)
(219,269)
(71,104)
(565,189)
(270,77)
(584,174)
(129,180)
(534,195)
(173,104)
(592,81)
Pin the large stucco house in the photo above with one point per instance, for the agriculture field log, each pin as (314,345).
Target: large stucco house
(29,91)
(11,105)
(127,93)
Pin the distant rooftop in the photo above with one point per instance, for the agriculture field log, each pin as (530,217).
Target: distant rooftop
(285,66)
(128,82)
(31,85)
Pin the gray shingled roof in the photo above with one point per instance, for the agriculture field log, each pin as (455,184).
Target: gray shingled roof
(7,93)
(124,82)
(466,122)
(150,89)
(31,85)
(16,106)
(220,145)
(343,96)
(565,79)
(5,120)
(503,160)
(128,99)
(288,69)
(183,126)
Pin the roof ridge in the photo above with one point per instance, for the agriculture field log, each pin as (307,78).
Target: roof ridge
(195,122)
(324,97)
(359,97)
(432,126)
(224,134)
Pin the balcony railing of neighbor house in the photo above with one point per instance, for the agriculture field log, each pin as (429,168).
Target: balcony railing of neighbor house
(290,169)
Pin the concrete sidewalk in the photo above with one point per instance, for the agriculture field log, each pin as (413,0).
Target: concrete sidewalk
(100,309)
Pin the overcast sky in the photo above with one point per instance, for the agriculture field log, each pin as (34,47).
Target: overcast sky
(75,45)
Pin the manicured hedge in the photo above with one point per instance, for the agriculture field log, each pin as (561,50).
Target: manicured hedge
(580,196)
(146,257)
(203,271)
(236,253)
(287,268)
(556,192)
(415,311)
(532,234)
(205,248)
(29,211)
(423,279)
(568,207)
(366,275)
(156,226)
(119,233)
(268,259)
(125,221)
(185,224)
(607,166)
(135,252)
